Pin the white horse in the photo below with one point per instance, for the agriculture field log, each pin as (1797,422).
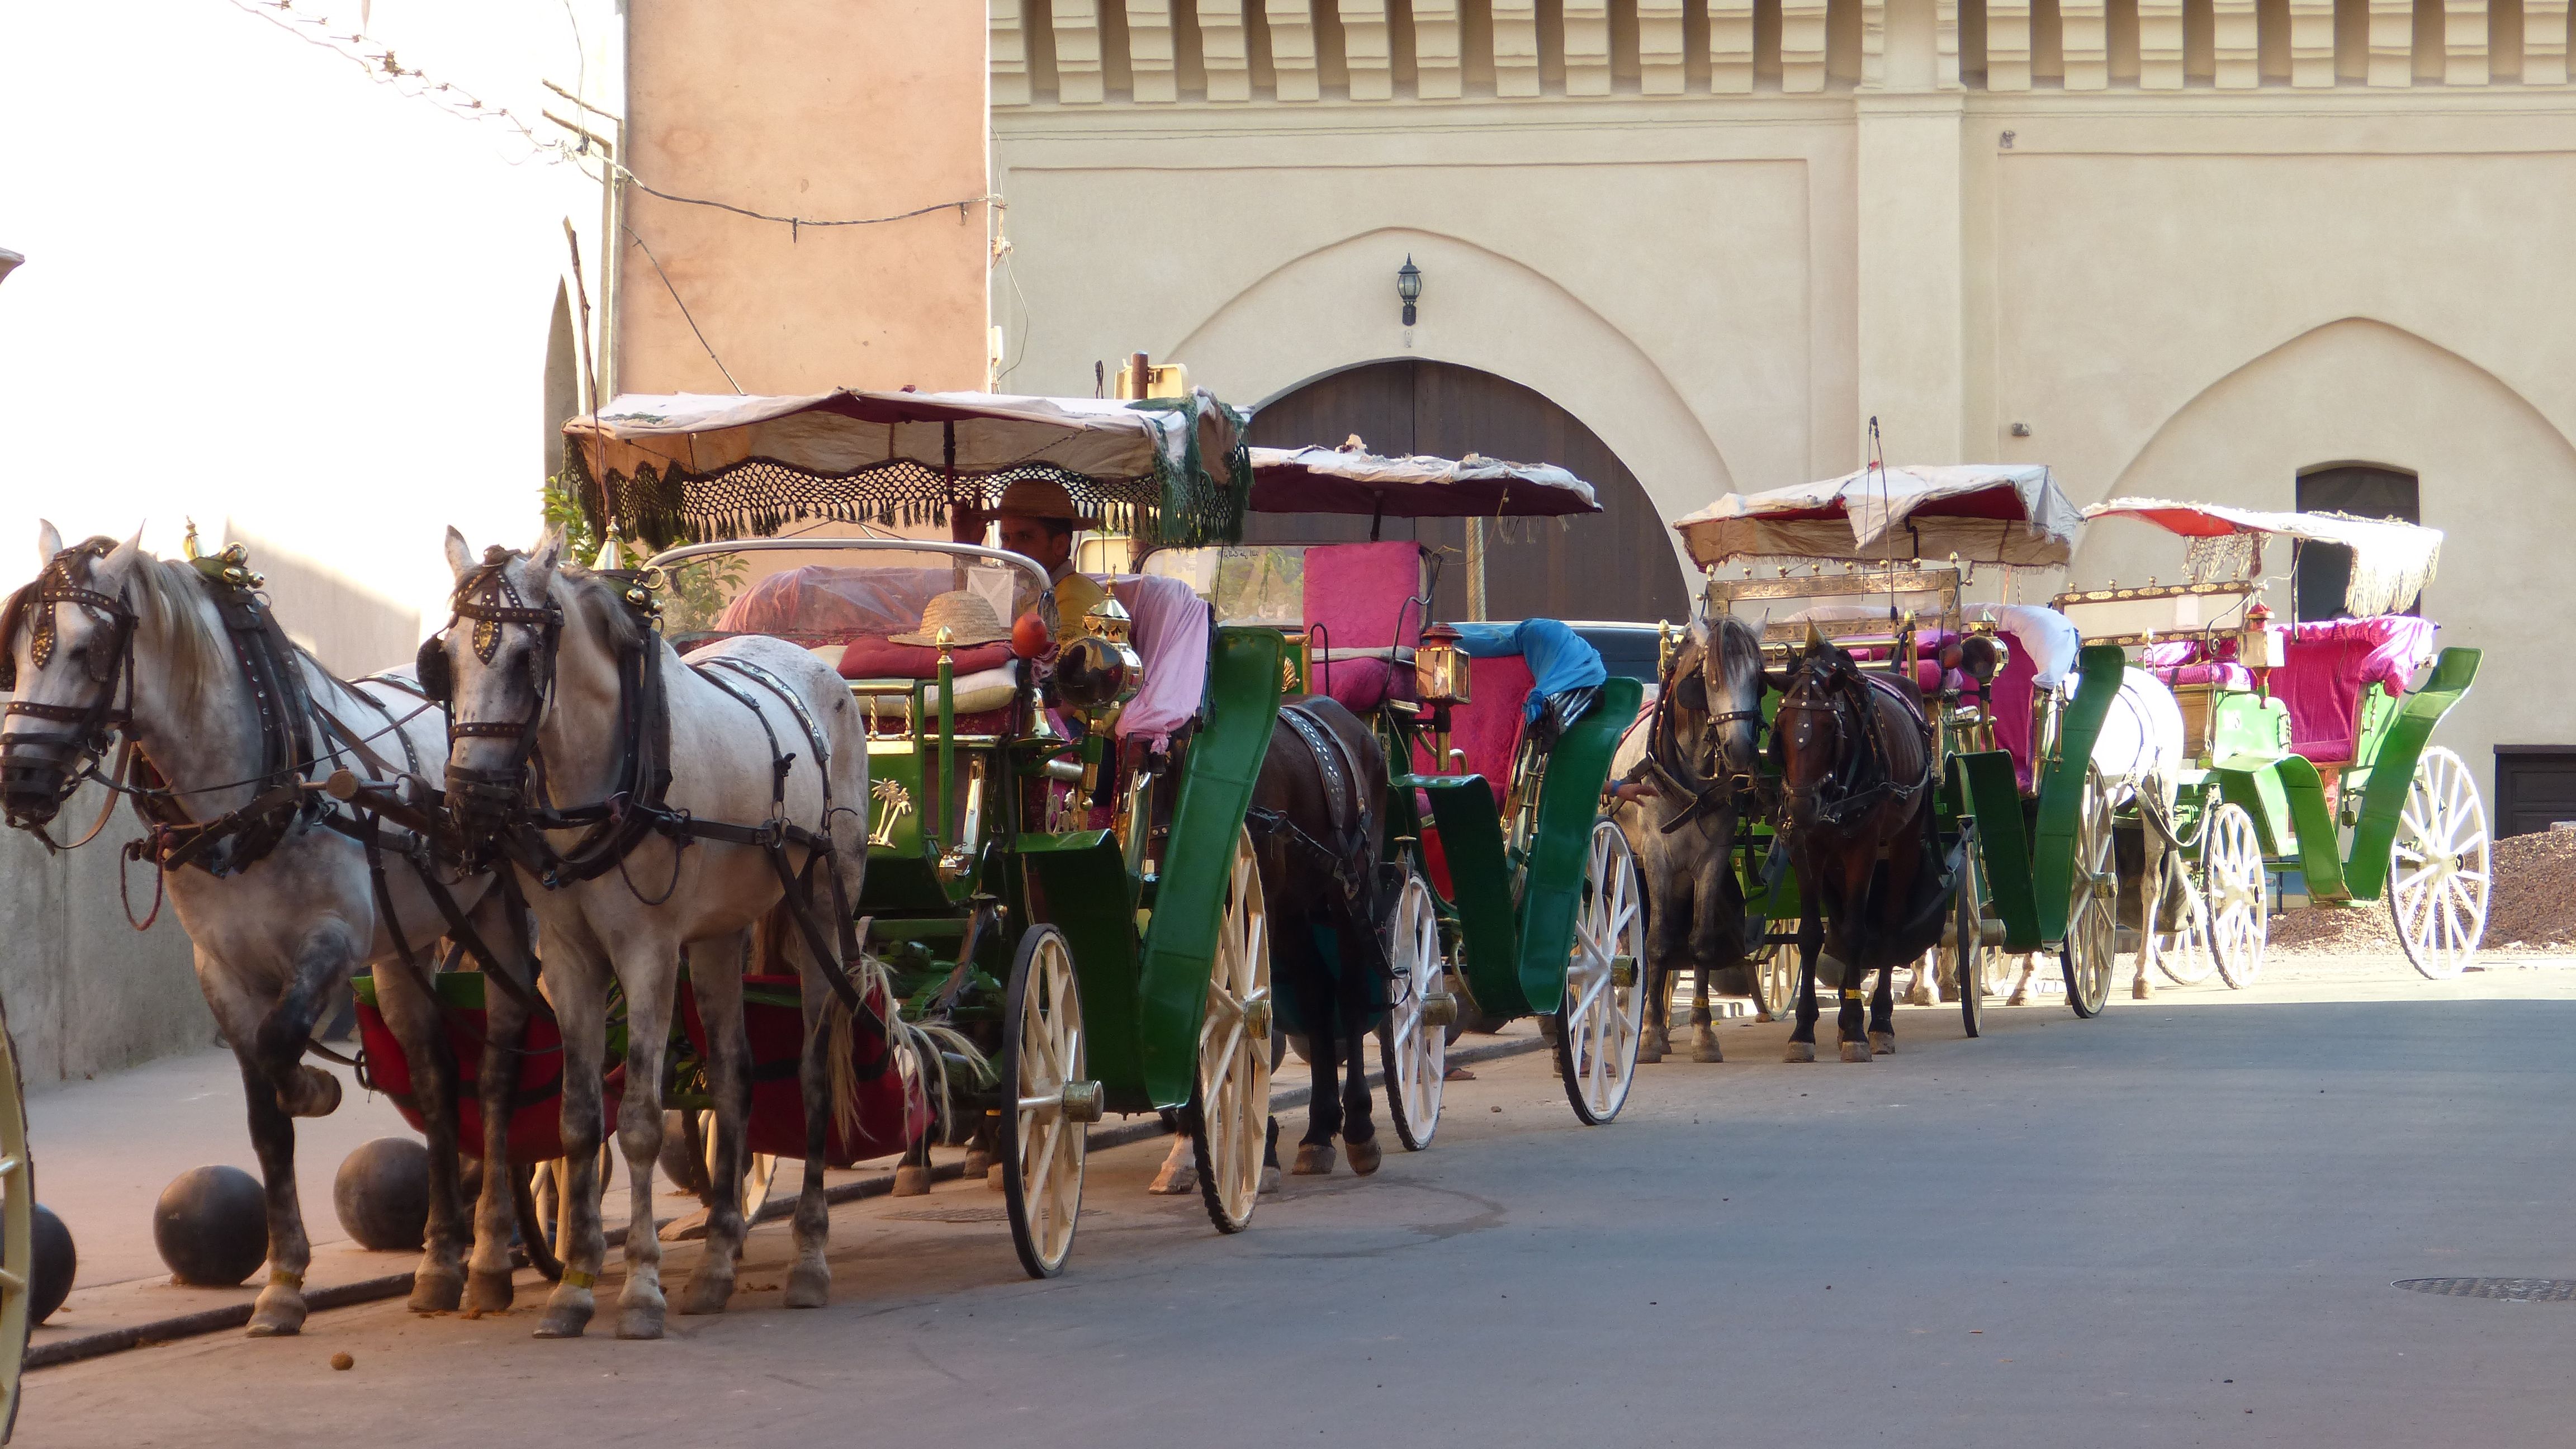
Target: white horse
(2139,755)
(544,664)
(108,629)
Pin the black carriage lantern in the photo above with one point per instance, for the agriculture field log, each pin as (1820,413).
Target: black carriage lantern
(1408,286)
(1439,669)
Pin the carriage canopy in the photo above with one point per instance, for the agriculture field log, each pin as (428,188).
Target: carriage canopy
(1352,480)
(1992,513)
(2392,561)
(692,467)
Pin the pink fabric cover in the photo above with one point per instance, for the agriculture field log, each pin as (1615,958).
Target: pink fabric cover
(1488,727)
(832,603)
(2226,675)
(1360,593)
(2329,662)
(2010,703)
(1171,636)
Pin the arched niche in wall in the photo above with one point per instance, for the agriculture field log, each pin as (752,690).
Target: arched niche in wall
(1616,564)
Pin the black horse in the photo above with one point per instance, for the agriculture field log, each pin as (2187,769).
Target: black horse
(1853,751)
(1698,776)
(1317,810)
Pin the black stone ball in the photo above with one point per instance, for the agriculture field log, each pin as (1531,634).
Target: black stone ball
(382,1194)
(211,1226)
(57,1262)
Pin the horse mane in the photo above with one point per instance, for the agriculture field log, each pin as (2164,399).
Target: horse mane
(167,596)
(597,595)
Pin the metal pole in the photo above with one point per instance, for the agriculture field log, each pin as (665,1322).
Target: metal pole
(1476,568)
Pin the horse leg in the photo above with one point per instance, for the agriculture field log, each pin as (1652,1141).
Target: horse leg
(2151,902)
(1270,1157)
(650,982)
(1882,1012)
(496,1079)
(1315,1009)
(1359,1130)
(281,1088)
(438,1284)
(979,1148)
(1926,987)
(809,1282)
(1811,942)
(577,977)
(1669,939)
(1703,1020)
(1716,922)
(1180,1170)
(718,993)
(2021,988)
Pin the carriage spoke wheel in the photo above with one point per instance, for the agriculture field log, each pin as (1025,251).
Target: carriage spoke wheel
(17,1228)
(1229,1114)
(1043,1137)
(1775,982)
(2438,874)
(1963,960)
(2092,915)
(2183,954)
(1605,994)
(1413,1046)
(2231,871)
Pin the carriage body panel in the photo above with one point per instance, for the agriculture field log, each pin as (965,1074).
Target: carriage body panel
(1569,801)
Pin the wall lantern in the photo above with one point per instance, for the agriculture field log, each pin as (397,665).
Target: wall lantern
(10,261)
(1408,285)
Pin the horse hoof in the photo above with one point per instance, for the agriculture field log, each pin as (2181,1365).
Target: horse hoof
(1177,1177)
(438,1291)
(1647,1056)
(978,1162)
(2018,998)
(707,1292)
(1704,1046)
(484,1293)
(1365,1156)
(911,1180)
(640,1320)
(1883,1042)
(279,1314)
(567,1316)
(993,1177)
(1763,1018)
(1855,1051)
(1270,1178)
(2139,990)
(316,1094)
(809,1285)
(1652,1045)
(1314,1159)
(1799,1051)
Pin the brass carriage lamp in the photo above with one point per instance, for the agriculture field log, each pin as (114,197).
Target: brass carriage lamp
(1100,668)
(1408,286)
(2258,648)
(1440,667)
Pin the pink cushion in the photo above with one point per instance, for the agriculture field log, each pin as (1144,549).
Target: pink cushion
(873,658)
(2231,676)
(1359,596)
(2011,702)
(2329,662)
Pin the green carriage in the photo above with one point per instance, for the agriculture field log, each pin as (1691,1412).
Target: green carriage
(1521,895)
(1055,875)
(2310,756)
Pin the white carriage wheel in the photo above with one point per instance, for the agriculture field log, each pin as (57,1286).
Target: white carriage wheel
(1230,1107)
(1775,982)
(2092,913)
(1603,1013)
(2183,954)
(2240,921)
(1412,1046)
(1964,959)
(2438,876)
(1045,1136)
(17,1230)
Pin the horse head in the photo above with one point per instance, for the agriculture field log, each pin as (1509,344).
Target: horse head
(66,649)
(1816,732)
(493,668)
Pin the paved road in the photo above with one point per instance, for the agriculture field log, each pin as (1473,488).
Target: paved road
(2174,1225)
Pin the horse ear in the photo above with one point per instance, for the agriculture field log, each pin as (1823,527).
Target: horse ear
(49,540)
(547,554)
(124,554)
(460,558)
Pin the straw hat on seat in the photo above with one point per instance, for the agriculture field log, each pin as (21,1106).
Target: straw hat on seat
(967,617)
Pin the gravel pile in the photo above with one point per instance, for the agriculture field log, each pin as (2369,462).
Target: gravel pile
(2533,907)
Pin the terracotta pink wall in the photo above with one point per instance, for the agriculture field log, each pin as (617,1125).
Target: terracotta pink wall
(817,108)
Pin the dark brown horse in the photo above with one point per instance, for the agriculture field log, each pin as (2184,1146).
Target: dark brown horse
(1703,754)
(1316,814)
(1853,751)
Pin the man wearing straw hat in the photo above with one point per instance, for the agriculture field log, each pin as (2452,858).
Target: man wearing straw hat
(1038,520)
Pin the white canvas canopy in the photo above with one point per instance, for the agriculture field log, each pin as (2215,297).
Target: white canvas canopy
(1352,480)
(835,434)
(1992,513)
(2392,561)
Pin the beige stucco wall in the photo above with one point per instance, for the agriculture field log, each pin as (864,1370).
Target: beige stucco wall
(826,109)
(2196,291)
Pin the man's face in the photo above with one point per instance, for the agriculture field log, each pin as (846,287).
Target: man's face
(1034,538)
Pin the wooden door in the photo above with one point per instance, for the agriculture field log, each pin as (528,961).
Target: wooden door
(1617,564)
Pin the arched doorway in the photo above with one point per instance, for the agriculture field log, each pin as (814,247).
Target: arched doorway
(1616,564)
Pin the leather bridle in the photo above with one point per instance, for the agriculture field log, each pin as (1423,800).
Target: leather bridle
(481,801)
(55,763)
(1861,777)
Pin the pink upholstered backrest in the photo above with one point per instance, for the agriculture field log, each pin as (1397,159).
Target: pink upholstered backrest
(1359,594)
(1488,728)
(2011,703)
(2329,662)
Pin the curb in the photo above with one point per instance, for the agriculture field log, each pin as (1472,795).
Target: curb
(396,1285)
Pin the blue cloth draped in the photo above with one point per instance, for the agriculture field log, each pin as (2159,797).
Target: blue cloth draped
(1559,659)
